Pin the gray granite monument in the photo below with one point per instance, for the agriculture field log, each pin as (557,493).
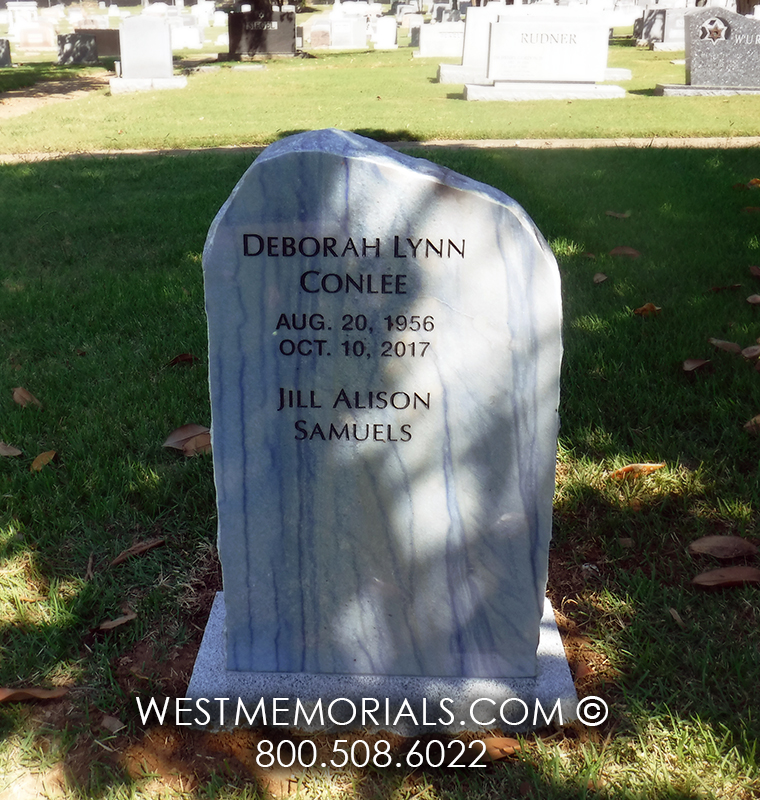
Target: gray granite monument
(5,53)
(384,350)
(722,54)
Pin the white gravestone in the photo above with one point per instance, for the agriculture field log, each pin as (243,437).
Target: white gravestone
(384,350)
(546,53)
(444,40)
(146,56)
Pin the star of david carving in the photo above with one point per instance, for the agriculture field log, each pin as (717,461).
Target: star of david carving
(714,29)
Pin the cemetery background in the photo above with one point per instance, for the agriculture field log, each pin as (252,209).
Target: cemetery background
(93,317)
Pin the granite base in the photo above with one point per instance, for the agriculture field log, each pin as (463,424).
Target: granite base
(459,73)
(680,90)
(543,91)
(405,705)
(126,85)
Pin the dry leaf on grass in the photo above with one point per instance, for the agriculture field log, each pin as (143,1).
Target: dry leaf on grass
(754,183)
(634,470)
(751,209)
(183,358)
(9,450)
(753,299)
(24,398)
(723,547)
(177,438)
(618,214)
(693,364)
(110,624)
(647,310)
(677,617)
(625,251)
(14,695)
(590,255)
(197,444)
(727,576)
(498,747)
(726,288)
(752,352)
(753,426)
(600,277)
(729,347)
(755,271)
(136,550)
(112,724)
(41,460)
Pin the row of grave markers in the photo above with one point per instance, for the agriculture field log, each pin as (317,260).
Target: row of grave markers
(507,52)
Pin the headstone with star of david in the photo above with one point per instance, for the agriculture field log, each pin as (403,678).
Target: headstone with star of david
(722,49)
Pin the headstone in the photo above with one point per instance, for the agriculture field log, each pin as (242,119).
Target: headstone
(106,41)
(77,48)
(444,40)
(146,56)
(5,53)
(386,32)
(38,35)
(262,31)
(348,33)
(474,66)
(722,54)
(663,28)
(384,350)
(546,53)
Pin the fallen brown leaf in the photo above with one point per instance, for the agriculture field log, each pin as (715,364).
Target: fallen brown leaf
(755,271)
(753,299)
(110,624)
(136,550)
(498,747)
(634,470)
(752,209)
(618,214)
(183,358)
(752,352)
(754,183)
(14,695)
(740,187)
(677,617)
(729,347)
(112,724)
(625,251)
(178,437)
(723,547)
(753,426)
(582,670)
(693,364)
(726,288)
(24,398)
(198,444)
(9,450)
(590,255)
(647,310)
(727,576)
(41,460)
(600,277)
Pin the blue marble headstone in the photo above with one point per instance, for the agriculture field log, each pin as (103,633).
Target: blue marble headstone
(384,349)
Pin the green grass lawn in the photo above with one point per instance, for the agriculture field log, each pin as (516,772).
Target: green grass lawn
(386,95)
(101,287)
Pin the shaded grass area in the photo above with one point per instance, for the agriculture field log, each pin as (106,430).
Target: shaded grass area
(386,95)
(101,287)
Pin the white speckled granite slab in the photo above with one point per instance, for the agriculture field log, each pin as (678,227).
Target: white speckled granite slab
(384,349)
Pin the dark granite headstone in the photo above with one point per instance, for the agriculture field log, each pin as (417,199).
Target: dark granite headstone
(77,48)
(5,53)
(722,49)
(262,31)
(107,40)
